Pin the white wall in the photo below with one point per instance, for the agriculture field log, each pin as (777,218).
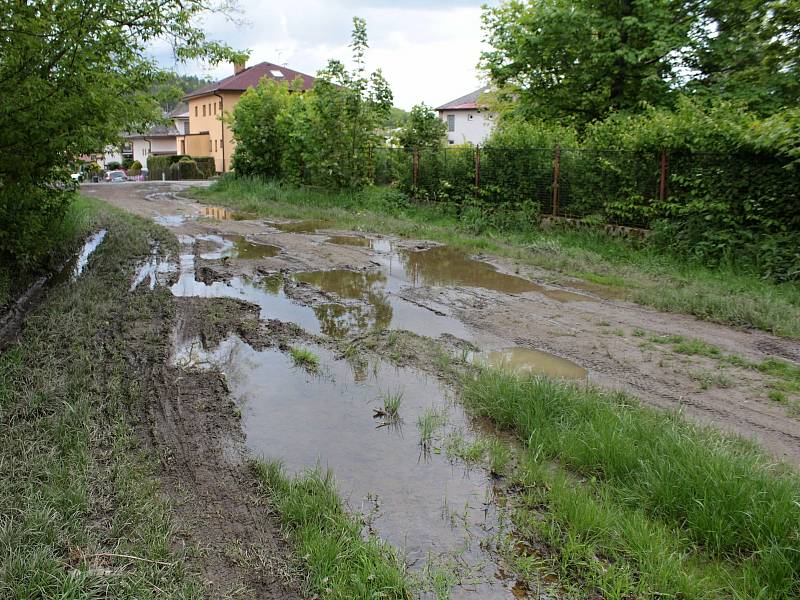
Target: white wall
(142,148)
(111,154)
(471,126)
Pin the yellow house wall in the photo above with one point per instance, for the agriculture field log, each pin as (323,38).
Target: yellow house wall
(205,116)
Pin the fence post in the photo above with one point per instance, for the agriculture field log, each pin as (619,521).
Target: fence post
(662,183)
(477,167)
(414,168)
(556,177)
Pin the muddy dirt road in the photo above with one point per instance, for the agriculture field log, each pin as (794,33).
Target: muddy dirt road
(306,284)
(446,293)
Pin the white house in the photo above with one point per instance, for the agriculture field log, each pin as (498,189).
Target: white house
(468,122)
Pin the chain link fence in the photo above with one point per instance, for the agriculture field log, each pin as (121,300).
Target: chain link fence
(617,187)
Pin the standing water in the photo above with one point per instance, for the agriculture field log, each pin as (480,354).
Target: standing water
(402,476)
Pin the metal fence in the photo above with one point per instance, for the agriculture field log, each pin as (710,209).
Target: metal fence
(619,187)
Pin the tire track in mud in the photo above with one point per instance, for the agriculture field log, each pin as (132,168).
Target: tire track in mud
(190,424)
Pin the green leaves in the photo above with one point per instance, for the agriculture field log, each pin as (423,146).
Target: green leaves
(76,74)
(325,137)
(423,129)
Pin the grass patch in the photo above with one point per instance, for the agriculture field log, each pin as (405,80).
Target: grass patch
(58,245)
(723,294)
(696,347)
(305,358)
(392,400)
(76,492)
(340,563)
(429,423)
(692,513)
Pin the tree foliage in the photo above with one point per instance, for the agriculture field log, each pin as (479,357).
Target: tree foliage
(76,73)
(327,136)
(346,110)
(581,60)
(423,129)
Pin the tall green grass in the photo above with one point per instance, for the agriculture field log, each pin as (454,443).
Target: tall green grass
(77,497)
(57,245)
(722,494)
(725,294)
(340,563)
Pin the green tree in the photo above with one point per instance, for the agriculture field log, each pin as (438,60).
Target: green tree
(76,73)
(346,110)
(256,127)
(578,60)
(747,51)
(423,129)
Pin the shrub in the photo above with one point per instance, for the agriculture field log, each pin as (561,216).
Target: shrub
(113,166)
(135,168)
(185,168)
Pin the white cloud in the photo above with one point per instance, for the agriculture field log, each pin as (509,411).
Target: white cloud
(428,52)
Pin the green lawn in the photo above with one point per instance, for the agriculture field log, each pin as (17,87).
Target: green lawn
(641,273)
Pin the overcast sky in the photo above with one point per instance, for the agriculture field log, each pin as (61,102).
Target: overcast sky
(428,51)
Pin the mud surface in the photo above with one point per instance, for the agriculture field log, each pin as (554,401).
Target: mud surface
(325,289)
(598,334)
(192,425)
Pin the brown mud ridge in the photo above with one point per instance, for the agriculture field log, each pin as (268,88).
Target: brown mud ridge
(325,290)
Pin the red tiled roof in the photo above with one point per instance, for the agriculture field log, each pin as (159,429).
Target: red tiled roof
(250,77)
(468,102)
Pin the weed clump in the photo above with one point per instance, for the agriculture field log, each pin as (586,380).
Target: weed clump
(303,357)
(340,563)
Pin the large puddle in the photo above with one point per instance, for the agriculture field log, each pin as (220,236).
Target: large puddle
(415,494)
(527,360)
(446,266)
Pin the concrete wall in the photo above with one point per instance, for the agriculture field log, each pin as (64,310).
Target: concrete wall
(471,126)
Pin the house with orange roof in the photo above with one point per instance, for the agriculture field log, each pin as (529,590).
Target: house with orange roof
(208,134)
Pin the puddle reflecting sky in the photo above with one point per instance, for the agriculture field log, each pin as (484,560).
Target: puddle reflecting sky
(426,505)
(76,265)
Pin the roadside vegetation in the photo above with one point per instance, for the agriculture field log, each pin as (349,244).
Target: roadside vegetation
(81,512)
(635,502)
(62,104)
(646,274)
(339,562)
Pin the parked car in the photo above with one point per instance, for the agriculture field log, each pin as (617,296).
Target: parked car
(116,176)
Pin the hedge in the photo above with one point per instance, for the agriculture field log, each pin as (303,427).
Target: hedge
(160,167)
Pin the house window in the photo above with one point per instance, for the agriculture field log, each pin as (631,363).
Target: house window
(183,147)
(220,104)
(451,122)
(215,108)
(204,110)
(209,145)
(195,110)
(215,145)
